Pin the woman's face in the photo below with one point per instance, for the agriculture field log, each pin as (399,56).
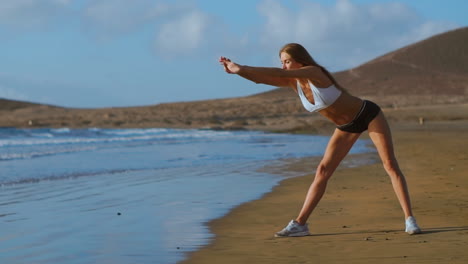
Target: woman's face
(288,62)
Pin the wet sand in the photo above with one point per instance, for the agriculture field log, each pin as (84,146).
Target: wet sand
(359,219)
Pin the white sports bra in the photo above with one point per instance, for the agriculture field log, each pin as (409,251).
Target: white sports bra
(323,97)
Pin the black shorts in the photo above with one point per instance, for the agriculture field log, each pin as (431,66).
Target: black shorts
(360,123)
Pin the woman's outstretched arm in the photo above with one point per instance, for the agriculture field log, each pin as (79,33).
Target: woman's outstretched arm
(271,76)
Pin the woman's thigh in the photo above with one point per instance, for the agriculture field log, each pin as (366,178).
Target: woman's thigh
(380,134)
(338,147)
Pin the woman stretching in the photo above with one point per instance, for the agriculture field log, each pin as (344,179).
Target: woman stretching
(319,92)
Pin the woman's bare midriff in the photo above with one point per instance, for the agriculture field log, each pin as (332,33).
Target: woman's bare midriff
(343,110)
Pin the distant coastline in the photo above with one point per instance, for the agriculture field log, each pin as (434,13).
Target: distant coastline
(177,115)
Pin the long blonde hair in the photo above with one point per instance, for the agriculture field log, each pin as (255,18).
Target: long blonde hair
(302,56)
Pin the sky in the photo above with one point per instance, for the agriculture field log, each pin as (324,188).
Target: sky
(118,53)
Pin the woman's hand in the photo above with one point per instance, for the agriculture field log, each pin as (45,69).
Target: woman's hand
(229,66)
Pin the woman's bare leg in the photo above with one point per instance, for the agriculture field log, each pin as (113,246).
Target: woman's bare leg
(380,134)
(339,145)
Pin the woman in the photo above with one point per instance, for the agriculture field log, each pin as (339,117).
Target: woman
(319,92)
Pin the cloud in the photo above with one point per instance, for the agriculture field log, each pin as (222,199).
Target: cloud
(183,34)
(110,18)
(344,34)
(31,14)
(339,35)
(179,29)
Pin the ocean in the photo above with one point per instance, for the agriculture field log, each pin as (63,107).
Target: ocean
(131,195)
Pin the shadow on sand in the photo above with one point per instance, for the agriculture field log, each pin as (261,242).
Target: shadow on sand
(432,230)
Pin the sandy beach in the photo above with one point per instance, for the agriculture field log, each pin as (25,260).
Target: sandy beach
(359,219)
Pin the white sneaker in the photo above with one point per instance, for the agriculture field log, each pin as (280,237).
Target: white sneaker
(293,229)
(411,226)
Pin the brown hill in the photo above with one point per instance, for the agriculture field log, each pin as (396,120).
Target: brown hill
(10,105)
(432,71)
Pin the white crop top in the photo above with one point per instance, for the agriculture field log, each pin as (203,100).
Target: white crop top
(323,97)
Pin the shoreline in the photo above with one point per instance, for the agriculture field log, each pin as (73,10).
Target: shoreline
(356,222)
(248,114)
